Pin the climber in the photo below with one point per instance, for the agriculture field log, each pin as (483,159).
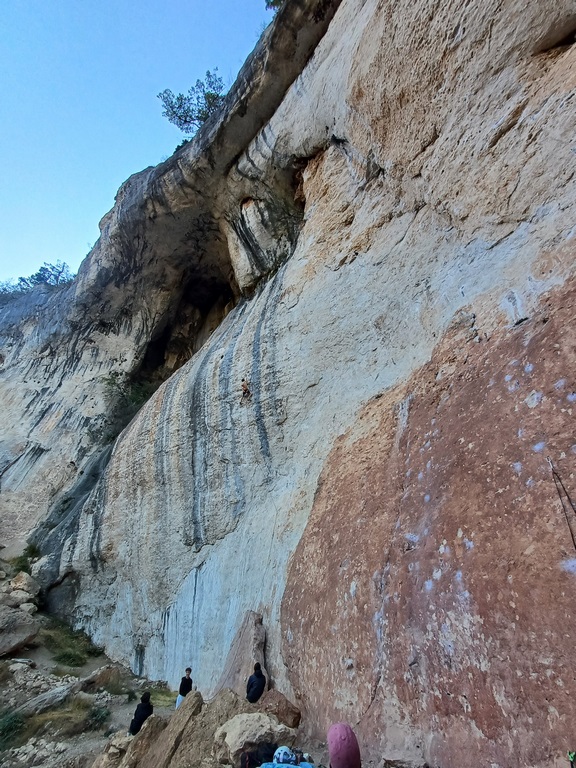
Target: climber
(343,747)
(572,758)
(185,687)
(142,713)
(256,684)
(246,394)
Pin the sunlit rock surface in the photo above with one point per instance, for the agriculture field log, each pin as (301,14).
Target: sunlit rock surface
(386,254)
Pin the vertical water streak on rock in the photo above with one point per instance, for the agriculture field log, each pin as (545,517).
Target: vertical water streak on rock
(273,359)
(15,474)
(57,537)
(173,467)
(215,431)
(193,525)
(225,377)
(200,412)
(95,504)
(263,386)
(149,502)
(203,448)
(138,664)
(178,628)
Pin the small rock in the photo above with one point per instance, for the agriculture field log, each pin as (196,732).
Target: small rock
(275,703)
(24,582)
(16,629)
(17,666)
(232,738)
(29,608)
(7,599)
(19,596)
(47,700)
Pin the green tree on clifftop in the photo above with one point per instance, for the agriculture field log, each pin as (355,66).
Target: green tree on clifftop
(189,111)
(49,274)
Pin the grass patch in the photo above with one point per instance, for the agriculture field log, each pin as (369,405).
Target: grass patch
(71,719)
(11,726)
(66,645)
(32,551)
(97,717)
(162,697)
(71,658)
(22,562)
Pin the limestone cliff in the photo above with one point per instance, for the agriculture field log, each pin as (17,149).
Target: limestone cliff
(377,234)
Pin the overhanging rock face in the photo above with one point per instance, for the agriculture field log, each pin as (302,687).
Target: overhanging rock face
(387,256)
(173,258)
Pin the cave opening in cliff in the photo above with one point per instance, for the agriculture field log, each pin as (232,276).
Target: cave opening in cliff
(201,306)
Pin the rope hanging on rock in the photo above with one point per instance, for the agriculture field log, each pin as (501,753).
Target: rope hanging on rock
(561,488)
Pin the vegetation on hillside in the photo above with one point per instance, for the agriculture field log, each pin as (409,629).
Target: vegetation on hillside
(189,111)
(67,646)
(11,725)
(49,274)
(71,718)
(125,397)
(23,561)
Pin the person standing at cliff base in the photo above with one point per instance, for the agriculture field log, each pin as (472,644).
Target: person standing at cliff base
(142,713)
(343,747)
(256,684)
(185,687)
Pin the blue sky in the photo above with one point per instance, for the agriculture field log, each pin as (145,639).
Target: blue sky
(79,112)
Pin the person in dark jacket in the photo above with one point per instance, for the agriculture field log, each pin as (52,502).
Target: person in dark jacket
(185,687)
(256,684)
(142,713)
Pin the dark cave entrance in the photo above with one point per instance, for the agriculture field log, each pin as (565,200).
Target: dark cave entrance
(201,306)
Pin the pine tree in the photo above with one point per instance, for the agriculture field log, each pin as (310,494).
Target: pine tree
(190,111)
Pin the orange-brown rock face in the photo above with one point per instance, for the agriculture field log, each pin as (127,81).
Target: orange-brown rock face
(430,598)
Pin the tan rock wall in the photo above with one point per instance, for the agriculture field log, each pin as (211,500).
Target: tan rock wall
(201,486)
(410,198)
